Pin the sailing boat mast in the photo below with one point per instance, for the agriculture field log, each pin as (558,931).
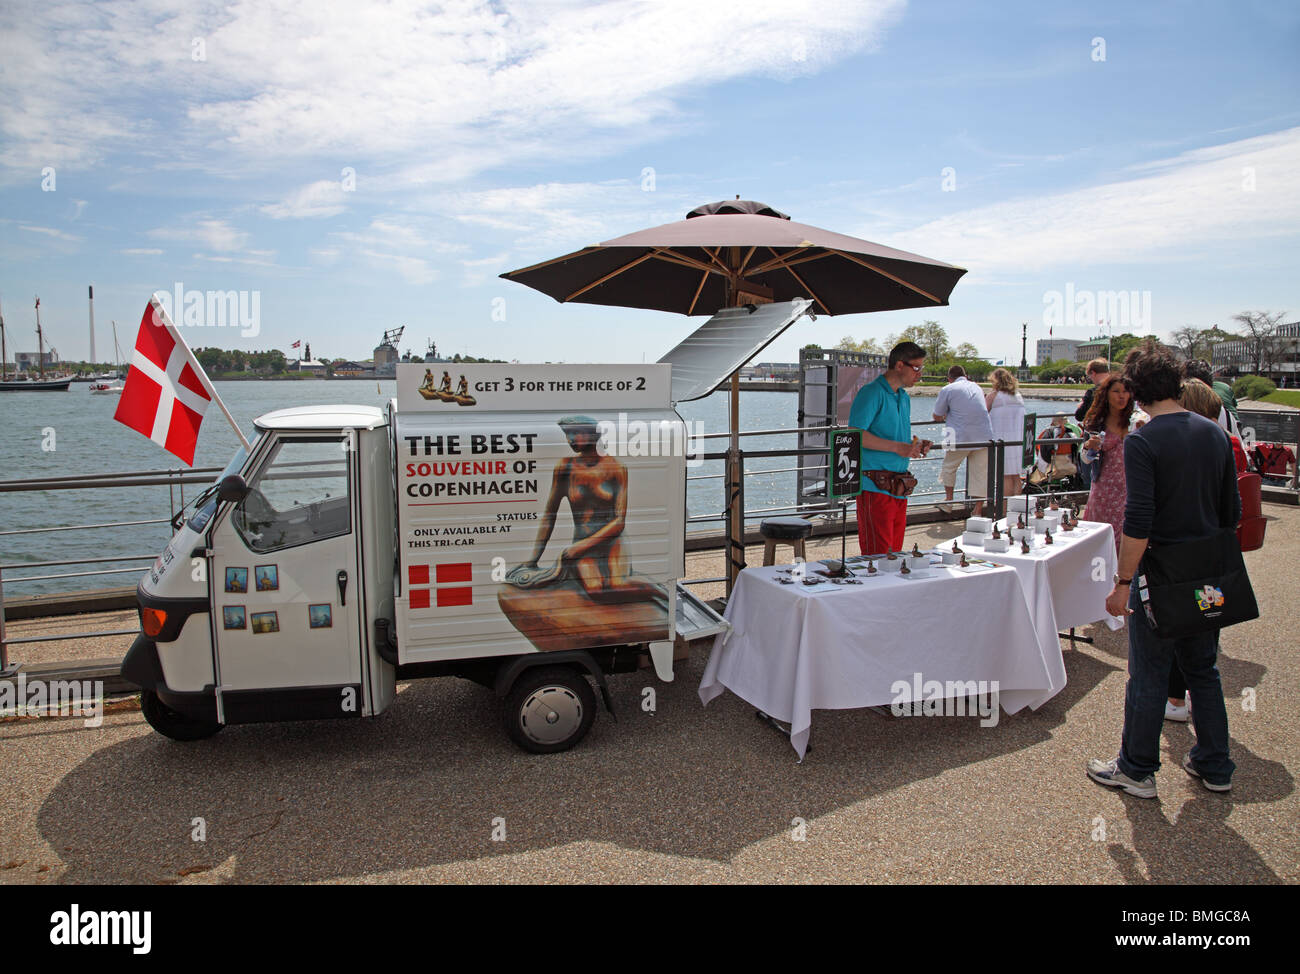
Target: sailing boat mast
(4,352)
(40,340)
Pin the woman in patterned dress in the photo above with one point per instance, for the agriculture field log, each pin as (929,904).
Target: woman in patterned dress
(1111,411)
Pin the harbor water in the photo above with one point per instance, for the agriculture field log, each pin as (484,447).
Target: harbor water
(73,433)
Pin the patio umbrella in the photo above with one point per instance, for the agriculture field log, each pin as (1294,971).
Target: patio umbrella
(739,252)
(725,254)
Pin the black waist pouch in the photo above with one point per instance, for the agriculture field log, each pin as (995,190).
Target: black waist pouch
(1196,586)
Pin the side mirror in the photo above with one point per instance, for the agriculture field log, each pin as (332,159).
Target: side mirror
(232,489)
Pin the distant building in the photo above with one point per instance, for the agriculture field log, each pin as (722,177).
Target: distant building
(785,371)
(1234,357)
(314,366)
(1087,351)
(386,359)
(352,370)
(26,361)
(1051,349)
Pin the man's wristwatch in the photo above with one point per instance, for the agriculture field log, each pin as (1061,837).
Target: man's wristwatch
(1122,581)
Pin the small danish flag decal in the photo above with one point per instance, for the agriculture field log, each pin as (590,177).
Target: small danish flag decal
(450,585)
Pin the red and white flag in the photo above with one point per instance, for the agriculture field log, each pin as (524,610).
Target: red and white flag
(166,391)
(296,344)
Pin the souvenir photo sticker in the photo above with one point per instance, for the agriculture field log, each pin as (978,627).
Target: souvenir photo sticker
(236,580)
(320,616)
(232,617)
(264,622)
(266,577)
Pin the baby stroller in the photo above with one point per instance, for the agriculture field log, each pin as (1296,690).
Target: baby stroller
(1056,466)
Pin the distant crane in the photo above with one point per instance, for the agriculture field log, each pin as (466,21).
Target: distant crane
(393,336)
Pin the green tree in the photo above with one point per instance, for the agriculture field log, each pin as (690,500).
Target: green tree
(1264,343)
(849,344)
(930,335)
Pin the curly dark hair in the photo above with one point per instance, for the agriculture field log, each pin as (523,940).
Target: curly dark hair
(1198,368)
(1151,373)
(1099,411)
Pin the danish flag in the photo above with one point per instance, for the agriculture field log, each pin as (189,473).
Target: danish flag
(166,391)
(450,585)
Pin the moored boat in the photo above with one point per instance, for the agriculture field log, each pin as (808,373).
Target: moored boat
(22,383)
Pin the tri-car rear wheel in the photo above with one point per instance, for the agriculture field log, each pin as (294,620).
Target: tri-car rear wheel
(549,709)
(172,724)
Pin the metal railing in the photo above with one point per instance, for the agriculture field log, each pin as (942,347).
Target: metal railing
(174,479)
(995,493)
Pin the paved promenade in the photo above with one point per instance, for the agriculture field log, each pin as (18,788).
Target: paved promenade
(686,794)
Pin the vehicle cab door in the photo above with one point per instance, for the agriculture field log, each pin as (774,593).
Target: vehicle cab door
(284,584)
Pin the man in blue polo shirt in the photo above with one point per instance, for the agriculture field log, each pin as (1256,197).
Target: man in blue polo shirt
(883,411)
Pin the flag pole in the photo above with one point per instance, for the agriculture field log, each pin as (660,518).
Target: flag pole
(165,318)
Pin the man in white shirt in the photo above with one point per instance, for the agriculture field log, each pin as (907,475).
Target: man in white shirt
(961,408)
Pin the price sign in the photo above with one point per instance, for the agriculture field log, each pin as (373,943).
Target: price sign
(1027,449)
(845,463)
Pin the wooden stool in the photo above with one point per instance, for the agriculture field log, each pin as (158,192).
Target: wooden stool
(784,530)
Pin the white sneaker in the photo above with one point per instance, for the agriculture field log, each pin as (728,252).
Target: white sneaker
(1108,773)
(1181,714)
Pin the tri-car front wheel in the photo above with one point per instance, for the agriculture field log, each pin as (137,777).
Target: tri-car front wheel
(549,709)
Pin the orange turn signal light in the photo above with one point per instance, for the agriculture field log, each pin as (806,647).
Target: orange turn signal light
(152,621)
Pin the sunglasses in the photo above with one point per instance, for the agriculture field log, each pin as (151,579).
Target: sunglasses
(914,368)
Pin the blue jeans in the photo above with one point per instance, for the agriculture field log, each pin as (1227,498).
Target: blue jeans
(1149,661)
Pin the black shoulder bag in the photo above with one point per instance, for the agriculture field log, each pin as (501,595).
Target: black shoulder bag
(1196,586)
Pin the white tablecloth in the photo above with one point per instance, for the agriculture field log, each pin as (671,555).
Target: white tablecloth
(1066,582)
(793,649)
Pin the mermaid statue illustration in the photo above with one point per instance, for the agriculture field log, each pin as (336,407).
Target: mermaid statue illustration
(588,595)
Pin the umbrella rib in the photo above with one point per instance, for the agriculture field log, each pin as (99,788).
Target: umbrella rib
(614,273)
(713,254)
(784,260)
(548,263)
(745,263)
(811,292)
(884,273)
(673,257)
(698,291)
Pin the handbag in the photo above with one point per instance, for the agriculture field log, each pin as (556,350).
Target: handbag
(1196,586)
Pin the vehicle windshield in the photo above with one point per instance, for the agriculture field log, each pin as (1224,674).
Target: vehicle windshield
(205,505)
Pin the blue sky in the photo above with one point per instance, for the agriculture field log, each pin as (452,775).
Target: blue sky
(1150,148)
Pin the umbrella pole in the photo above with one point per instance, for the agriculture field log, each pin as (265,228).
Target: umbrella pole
(735,492)
(735,485)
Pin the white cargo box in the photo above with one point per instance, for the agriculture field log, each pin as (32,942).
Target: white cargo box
(540,508)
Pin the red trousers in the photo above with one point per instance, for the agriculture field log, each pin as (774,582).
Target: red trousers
(882,519)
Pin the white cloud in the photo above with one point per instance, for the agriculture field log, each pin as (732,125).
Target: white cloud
(141,251)
(251,258)
(51,232)
(1188,207)
(215,234)
(319,199)
(469,86)
(390,243)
